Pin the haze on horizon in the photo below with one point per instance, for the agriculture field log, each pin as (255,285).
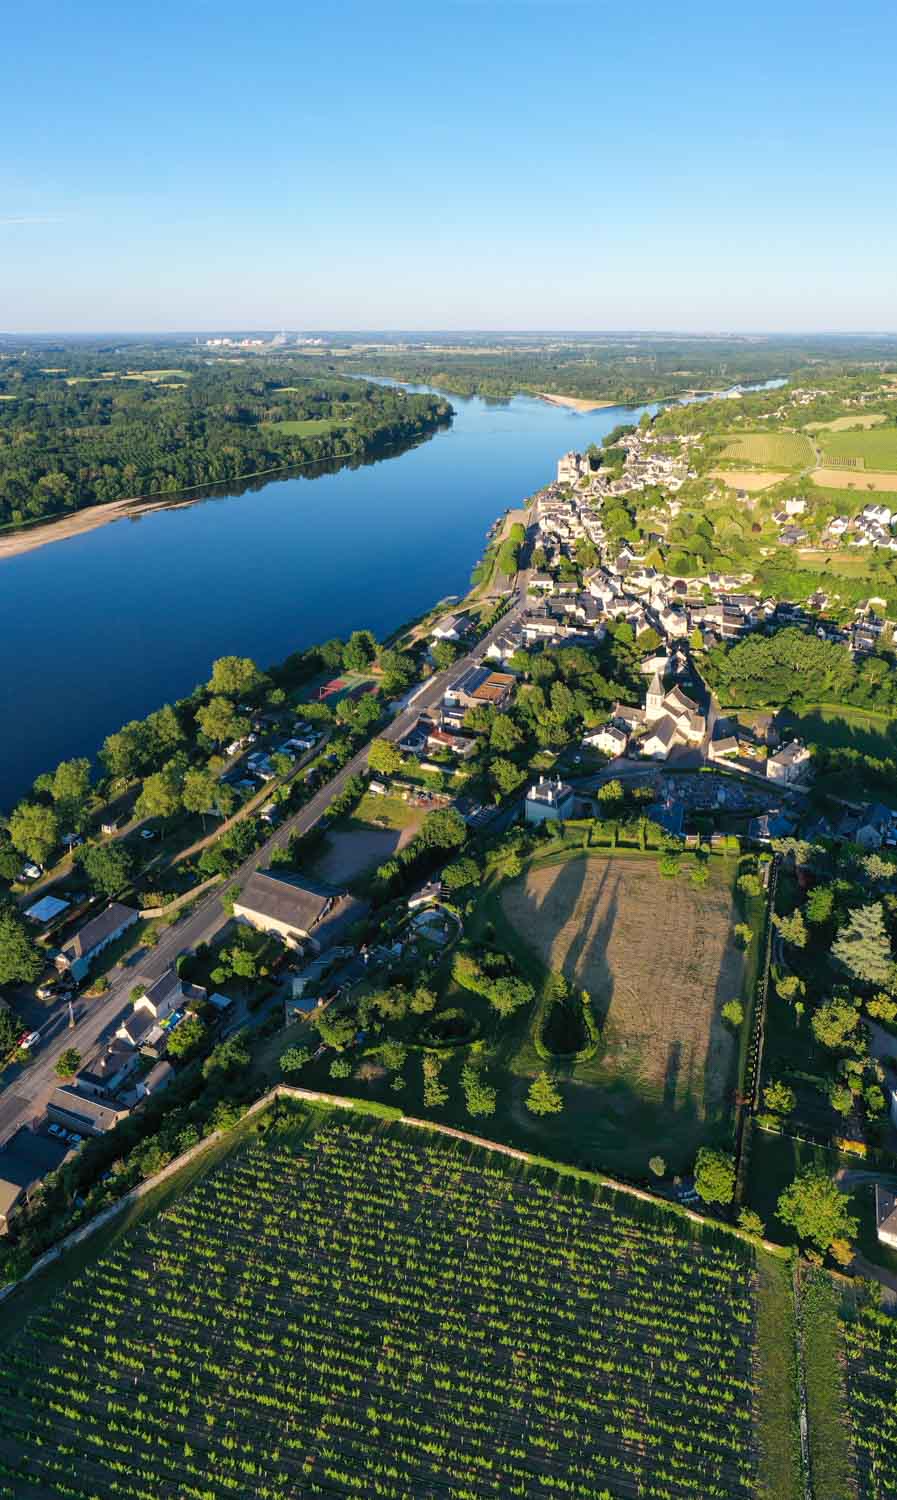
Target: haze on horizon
(503,165)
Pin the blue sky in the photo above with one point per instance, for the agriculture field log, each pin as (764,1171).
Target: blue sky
(476,163)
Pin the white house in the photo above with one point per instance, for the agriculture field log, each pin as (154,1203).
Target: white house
(79,952)
(548,801)
(610,739)
(885,1216)
(789,763)
(659,741)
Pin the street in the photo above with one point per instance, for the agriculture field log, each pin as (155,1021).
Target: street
(26,1097)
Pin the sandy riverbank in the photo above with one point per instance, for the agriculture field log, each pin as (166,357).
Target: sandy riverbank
(575,403)
(74,525)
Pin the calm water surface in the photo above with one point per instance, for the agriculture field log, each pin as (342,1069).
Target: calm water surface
(104,627)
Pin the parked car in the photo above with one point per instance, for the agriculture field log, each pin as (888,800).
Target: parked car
(147,833)
(29,1040)
(31,871)
(58,1131)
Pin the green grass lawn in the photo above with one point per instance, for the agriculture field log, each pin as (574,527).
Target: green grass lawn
(382,812)
(877,447)
(303,427)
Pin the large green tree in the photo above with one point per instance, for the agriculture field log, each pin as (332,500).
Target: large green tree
(21,960)
(714,1176)
(234,676)
(34,829)
(863,946)
(817,1210)
(107,866)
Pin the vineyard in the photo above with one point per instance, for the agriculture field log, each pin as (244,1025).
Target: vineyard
(343,1309)
(876,448)
(871,1344)
(778,450)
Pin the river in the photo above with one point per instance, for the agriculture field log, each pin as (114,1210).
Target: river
(103,627)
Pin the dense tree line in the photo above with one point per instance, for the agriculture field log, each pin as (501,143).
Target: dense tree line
(796,667)
(72,440)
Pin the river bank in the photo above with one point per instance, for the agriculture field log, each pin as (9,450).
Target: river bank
(575,403)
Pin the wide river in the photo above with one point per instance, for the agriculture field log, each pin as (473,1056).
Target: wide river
(102,628)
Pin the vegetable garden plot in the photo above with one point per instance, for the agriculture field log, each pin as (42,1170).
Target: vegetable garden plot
(360,1313)
(871,1345)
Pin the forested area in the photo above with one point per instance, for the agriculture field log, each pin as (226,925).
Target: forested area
(76,435)
(625,370)
(795,668)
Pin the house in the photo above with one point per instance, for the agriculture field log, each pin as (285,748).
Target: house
(723,748)
(25,1161)
(769,826)
(298,911)
(108,1069)
(505,645)
(432,891)
(157,1079)
(78,953)
(548,801)
(885,1216)
(414,741)
(660,740)
(874,826)
(573,467)
(142,1031)
(456,744)
(788,764)
(82,1113)
(167,995)
(480,685)
(610,739)
(450,628)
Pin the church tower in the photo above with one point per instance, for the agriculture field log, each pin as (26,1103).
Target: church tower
(654,699)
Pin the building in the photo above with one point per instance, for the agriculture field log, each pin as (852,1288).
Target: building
(297,911)
(46,909)
(25,1161)
(108,1069)
(885,1216)
(659,740)
(789,763)
(450,628)
(549,800)
(78,953)
(157,1079)
(82,1113)
(573,467)
(610,739)
(480,685)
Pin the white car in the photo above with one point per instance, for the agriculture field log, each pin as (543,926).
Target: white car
(31,871)
(29,1041)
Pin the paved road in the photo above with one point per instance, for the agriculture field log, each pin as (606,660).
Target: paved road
(29,1091)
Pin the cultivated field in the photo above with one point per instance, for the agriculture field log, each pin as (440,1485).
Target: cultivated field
(871,1346)
(877,448)
(658,957)
(843,424)
(780,450)
(366,1311)
(748,479)
(866,479)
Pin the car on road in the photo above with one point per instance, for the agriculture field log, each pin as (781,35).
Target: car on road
(147,833)
(29,1040)
(31,871)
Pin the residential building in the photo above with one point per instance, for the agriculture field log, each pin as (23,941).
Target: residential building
(298,911)
(83,1113)
(788,764)
(108,1069)
(610,739)
(78,953)
(885,1216)
(25,1160)
(549,800)
(480,685)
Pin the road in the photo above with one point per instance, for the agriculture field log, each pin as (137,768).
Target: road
(28,1090)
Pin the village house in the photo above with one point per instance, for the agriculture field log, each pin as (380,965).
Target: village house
(790,763)
(108,1069)
(450,628)
(83,1113)
(480,685)
(25,1160)
(78,953)
(300,912)
(548,800)
(610,739)
(885,1216)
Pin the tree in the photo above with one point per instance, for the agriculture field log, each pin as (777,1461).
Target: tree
(462,873)
(335,1031)
(750,885)
(543,1098)
(444,655)
(751,1223)
(793,929)
(479,1096)
(34,829)
(160,795)
(21,960)
(506,775)
(185,1038)
(658,1166)
(107,866)
(779,1098)
(201,791)
(70,787)
(507,994)
(220,722)
(294,1059)
(421,1001)
(442,829)
(505,734)
(714,1176)
(385,758)
(834,1023)
(816,1209)
(610,792)
(340,1067)
(818,908)
(234,676)
(67,1063)
(124,754)
(744,933)
(733,1012)
(393,1055)
(863,946)
(359,651)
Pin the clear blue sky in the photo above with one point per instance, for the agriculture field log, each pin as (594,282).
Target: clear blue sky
(473,163)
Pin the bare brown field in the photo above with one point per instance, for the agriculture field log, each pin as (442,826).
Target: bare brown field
(748,479)
(659,959)
(866,479)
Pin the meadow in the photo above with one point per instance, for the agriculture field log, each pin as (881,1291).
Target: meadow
(352,1308)
(778,450)
(875,448)
(307,427)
